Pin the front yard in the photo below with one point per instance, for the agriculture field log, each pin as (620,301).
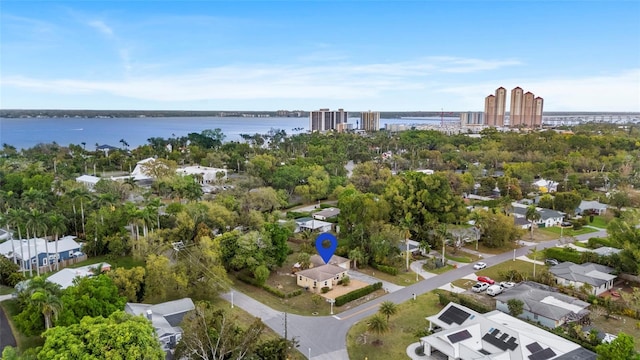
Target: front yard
(567,232)
(402,331)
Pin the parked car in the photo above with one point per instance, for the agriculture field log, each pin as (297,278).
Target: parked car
(507,284)
(479,266)
(486,279)
(479,287)
(552,262)
(494,290)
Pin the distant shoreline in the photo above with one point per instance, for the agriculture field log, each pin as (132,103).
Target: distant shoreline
(105,114)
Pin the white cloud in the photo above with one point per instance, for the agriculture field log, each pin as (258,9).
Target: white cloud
(424,81)
(101,27)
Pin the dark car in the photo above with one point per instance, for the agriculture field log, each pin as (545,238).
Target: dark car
(552,262)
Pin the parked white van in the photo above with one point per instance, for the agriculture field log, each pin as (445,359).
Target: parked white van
(494,290)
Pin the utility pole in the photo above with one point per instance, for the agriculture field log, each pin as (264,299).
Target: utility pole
(285,326)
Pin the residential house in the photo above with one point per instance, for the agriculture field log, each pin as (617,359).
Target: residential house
(67,276)
(466,334)
(412,246)
(314,279)
(203,174)
(548,217)
(316,260)
(546,186)
(591,207)
(543,304)
(327,213)
(606,251)
(165,318)
(88,181)
(67,249)
(599,277)
(138,174)
(311,224)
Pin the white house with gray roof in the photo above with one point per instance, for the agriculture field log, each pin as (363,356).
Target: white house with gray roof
(576,275)
(165,318)
(543,304)
(466,334)
(591,206)
(548,217)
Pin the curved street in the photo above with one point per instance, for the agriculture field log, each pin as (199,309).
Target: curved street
(325,338)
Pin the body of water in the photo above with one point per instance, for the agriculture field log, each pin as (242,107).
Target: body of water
(28,132)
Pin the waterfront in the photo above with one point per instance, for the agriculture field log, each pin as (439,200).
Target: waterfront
(27,132)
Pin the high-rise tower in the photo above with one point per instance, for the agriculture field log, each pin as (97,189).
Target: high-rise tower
(324,120)
(501,103)
(515,112)
(490,110)
(370,121)
(538,104)
(527,109)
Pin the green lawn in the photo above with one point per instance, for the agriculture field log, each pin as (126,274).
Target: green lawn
(441,270)
(487,250)
(403,327)
(599,222)
(403,278)
(626,325)
(518,265)
(567,232)
(5,290)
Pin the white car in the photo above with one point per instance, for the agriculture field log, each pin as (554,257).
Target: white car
(479,266)
(479,287)
(507,284)
(494,290)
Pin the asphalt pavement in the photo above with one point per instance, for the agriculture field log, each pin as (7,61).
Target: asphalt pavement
(6,335)
(324,337)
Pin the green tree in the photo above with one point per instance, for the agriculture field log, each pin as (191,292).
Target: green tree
(567,202)
(498,229)
(120,336)
(261,274)
(129,282)
(9,272)
(621,348)
(516,307)
(533,216)
(316,186)
(388,308)
(90,296)
(212,334)
(377,325)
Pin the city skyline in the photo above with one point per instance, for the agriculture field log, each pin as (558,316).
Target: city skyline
(269,55)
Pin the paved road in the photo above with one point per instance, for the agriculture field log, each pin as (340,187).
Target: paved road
(325,337)
(6,335)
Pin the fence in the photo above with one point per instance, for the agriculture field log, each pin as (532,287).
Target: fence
(63,263)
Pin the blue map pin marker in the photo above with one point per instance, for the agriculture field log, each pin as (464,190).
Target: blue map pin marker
(326,252)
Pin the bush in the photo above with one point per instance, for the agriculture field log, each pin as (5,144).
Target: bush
(386,269)
(444,298)
(564,254)
(296,214)
(345,280)
(356,294)
(595,243)
(324,289)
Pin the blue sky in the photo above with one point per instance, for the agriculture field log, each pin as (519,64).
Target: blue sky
(356,55)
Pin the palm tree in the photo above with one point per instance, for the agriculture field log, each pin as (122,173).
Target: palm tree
(49,304)
(377,325)
(16,217)
(533,216)
(57,223)
(80,194)
(357,256)
(154,206)
(388,308)
(36,222)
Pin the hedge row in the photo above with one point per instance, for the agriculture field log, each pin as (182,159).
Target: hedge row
(386,269)
(267,288)
(356,294)
(561,254)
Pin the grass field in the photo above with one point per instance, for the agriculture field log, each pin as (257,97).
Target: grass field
(566,232)
(4,290)
(441,270)
(403,327)
(403,278)
(626,325)
(599,222)
(518,265)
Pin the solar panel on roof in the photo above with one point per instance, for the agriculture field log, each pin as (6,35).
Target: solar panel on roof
(454,315)
(534,347)
(492,338)
(459,336)
(543,355)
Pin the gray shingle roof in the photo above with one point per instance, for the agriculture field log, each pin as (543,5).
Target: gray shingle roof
(588,273)
(322,273)
(536,300)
